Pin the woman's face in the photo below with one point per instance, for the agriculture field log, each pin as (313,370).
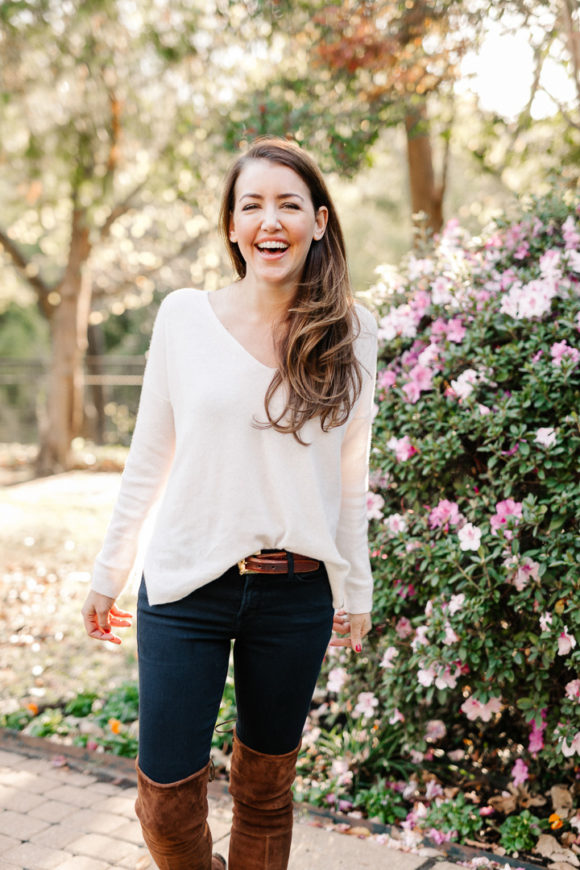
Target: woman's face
(274,222)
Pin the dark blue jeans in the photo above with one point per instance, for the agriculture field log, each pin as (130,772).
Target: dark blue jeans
(280,626)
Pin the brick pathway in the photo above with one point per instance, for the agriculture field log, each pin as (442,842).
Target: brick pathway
(55,816)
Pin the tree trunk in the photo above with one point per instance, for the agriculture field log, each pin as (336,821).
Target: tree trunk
(426,194)
(94,405)
(68,327)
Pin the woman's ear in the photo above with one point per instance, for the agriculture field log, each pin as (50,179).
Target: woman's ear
(232,230)
(321,221)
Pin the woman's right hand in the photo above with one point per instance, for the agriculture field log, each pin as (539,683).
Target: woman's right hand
(100,613)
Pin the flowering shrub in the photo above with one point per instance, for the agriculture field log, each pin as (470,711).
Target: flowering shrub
(474,509)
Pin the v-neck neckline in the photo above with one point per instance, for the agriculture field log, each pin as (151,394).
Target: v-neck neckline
(233,339)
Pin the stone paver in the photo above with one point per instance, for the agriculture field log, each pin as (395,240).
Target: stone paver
(55,818)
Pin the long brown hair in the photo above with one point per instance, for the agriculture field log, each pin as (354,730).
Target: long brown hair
(316,358)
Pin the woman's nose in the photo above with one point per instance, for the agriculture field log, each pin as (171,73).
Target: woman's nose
(270,219)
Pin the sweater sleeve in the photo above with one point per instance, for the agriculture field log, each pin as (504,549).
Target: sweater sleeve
(146,470)
(352,539)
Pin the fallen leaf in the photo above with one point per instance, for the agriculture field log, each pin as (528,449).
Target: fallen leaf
(550,848)
(562,800)
(358,831)
(560,865)
(504,803)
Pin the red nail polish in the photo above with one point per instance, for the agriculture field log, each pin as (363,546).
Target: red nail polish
(358,647)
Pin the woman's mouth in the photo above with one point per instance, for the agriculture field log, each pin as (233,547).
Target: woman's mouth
(272,250)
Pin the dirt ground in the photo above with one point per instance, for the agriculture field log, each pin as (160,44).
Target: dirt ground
(50,532)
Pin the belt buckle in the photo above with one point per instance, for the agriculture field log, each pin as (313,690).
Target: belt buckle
(242,567)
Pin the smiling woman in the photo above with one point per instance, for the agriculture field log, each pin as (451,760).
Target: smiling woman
(254,423)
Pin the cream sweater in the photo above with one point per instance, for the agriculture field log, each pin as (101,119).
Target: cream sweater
(227,488)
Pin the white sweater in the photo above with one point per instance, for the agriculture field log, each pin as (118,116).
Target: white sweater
(228,488)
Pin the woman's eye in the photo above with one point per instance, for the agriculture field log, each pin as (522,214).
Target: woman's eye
(293,205)
(249,206)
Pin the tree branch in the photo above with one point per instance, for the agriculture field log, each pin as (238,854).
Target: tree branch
(129,284)
(23,267)
(563,111)
(569,7)
(120,209)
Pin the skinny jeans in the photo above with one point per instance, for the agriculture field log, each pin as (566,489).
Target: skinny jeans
(280,626)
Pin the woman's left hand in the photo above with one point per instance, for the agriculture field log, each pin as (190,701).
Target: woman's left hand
(353,627)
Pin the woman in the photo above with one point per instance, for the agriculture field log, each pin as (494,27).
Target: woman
(254,421)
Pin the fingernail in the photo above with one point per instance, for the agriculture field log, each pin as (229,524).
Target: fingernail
(358,647)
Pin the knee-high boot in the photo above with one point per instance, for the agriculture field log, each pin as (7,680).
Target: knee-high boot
(262,824)
(173,819)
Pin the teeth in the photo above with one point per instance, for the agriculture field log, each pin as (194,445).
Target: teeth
(273,246)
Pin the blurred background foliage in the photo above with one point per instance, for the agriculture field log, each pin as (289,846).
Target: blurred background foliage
(120,118)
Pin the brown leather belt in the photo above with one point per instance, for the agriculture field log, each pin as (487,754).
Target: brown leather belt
(276,563)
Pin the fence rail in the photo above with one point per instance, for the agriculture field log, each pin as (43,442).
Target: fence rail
(110,396)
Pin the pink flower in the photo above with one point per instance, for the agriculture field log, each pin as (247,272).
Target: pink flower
(546,436)
(337,677)
(456,603)
(445,512)
(436,730)
(420,380)
(455,330)
(386,379)
(396,716)
(573,259)
(446,678)
(438,328)
(441,291)
(527,570)
(566,642)
(450,635)
(462,386)
(401,320)
(571,237)
(505,509)
(433,789)
(429,355)
(420,638)
(522,252)
(573,747)
(545,621)
(469,537)
(366,703)
(374,504)
(402,447)
(426,676)
(340,771)
(387,660)
(560,350)
(412,392)
(474,709)
(486,811)
(550,265)
(536,742)
(520,772)
(440,837)
(573,690)
(403,628)
(396,524)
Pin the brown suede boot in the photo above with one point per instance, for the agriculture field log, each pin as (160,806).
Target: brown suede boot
(262,824)
(173,819)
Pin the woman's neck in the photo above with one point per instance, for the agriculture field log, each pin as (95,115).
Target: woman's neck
(265,303)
